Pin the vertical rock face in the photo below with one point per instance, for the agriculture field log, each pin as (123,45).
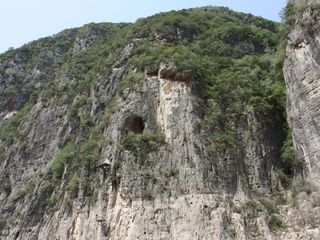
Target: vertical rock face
(302,74)
(170,193)
(124,138)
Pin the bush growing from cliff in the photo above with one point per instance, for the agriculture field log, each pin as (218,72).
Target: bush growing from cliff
(275,223)
(270,205)
(131,82)
(171,172)
(143,142)
(289,157)
(73,186)
(230,56)
(288,14)
(232,233)
(60,161)
(89,152)
(253,208)
(293,12)
(234,60)
(10,130)
(11,91)
(80,102)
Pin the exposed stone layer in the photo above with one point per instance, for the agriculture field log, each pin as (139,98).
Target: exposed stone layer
(177,191)
(301,71)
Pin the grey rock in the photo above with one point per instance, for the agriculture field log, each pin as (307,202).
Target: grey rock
(177,192)
(301,71)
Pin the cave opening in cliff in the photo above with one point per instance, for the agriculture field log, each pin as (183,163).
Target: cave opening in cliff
(133,124)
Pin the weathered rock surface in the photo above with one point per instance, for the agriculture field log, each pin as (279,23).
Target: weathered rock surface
(304,2)
(301,70)
(171,189)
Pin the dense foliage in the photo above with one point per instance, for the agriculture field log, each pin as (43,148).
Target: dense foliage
(235,60)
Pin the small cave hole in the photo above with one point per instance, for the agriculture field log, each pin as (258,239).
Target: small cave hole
(133,124)
(17,235)
(11,104)
(152,72)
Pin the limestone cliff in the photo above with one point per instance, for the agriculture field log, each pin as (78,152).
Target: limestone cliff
(301,73)
(169,128)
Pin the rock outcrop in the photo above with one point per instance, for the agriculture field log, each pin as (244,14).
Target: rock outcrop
(301,70)
(192,137)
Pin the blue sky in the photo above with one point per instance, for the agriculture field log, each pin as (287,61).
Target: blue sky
(22,21)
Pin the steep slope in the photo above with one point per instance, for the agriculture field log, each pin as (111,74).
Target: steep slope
(188,109)
(301,71)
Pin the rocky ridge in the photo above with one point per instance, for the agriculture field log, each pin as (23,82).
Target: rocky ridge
(195,137)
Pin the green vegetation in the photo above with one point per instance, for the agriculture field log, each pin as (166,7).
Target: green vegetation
(78,161)
(11,91)
(289,156)
(3,224)
(171,172)
(131,82)
(2,152)
(105,119)
(253,208)
(147,195)
(293,12)
(89,152)
(235,60)
(288,14)
(85,120)
(10,130)
(5,185)
(143,143)
(73,186)
(270,205)
(232,233)
(238,65)
(275,223)
(60,161)
(234,208)
(80,102)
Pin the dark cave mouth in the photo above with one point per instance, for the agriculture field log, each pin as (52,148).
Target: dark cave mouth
(133,124)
